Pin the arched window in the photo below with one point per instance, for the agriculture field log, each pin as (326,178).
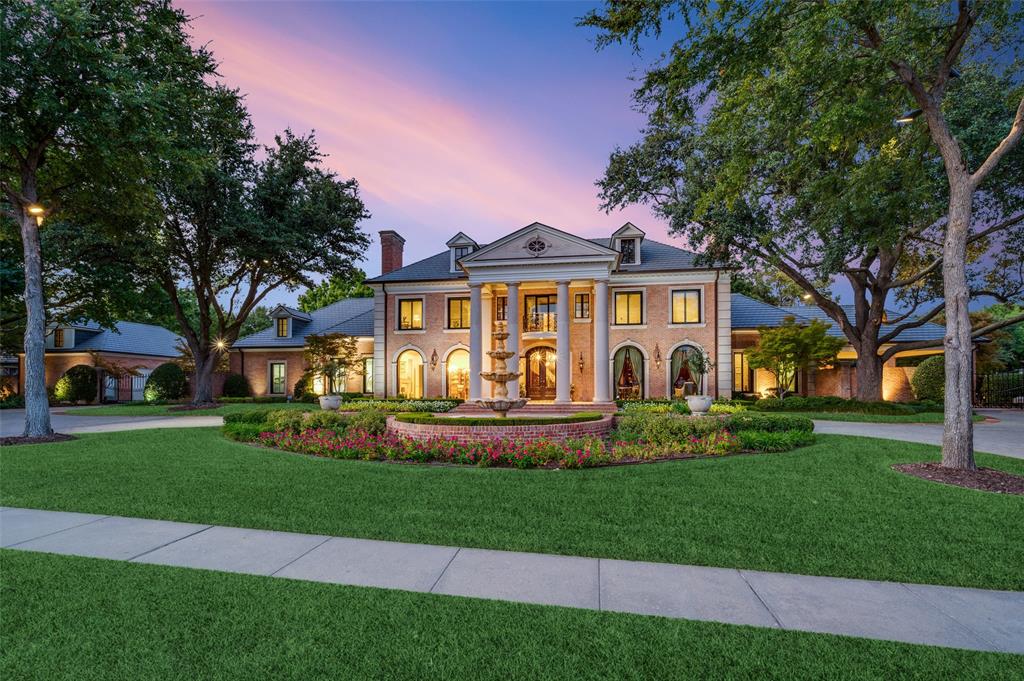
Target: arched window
(682,380)
(628,373)
(457,374)
(410,374)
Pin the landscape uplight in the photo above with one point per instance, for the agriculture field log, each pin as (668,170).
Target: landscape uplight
(36,211)
(908,117)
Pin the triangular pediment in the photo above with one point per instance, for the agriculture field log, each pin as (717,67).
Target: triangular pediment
(537,243)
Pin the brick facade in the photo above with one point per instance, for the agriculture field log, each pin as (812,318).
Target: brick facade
(255,365)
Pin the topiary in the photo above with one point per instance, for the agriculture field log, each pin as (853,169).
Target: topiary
(167,382)
(78,384)
(929,379)
(237,385)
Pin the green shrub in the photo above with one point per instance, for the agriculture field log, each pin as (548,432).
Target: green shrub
(773,441)
(427,419)
(243,432)
(330,420)
(726,408)
(78,384)
(286,421)
(833,404)
(772,423)
(303,387)
(12,402)
(237,385)
(167,382)
(251,416)
(399,406)
(369,421)
(264,399)
(929,379)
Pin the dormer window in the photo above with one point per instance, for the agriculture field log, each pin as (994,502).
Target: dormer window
(628,249)
(58,338)
(282,327)
(459,246)
(626,240)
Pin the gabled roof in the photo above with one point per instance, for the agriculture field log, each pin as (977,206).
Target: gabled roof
(461,239)
(628,230)
(493,251)
(352,316)
(126,337)
(654,257)
(294,313)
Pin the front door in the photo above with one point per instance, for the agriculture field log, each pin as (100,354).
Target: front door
(540,374)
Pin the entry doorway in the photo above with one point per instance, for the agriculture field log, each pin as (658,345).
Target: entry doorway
(540,373)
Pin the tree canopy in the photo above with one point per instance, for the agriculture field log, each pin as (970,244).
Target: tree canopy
(334,288)
(790,348)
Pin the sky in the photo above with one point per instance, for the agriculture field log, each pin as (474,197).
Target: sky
(480,117)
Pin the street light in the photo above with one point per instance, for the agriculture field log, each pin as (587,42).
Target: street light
(908,117)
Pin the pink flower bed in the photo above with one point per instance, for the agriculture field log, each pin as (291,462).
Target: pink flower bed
(579,453)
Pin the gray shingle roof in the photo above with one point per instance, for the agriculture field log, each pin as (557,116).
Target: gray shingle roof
(748,313)
(654,257)
(127,337)
(925,332)
(352,316)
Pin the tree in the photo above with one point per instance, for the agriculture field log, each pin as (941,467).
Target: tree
(789,348)
(236,228)
(85,94)
(781,116)
(331,356)
(160,311)
(331,290)
(771,286)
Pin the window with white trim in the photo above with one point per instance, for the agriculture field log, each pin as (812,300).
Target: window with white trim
(686,307)
(629,308)
(410,314)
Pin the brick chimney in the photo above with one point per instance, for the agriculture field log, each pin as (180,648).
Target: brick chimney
(391,246)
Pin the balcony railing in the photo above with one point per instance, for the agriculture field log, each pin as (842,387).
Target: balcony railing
(540,322)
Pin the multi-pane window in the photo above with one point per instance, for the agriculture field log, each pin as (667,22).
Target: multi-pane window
(58,338)
(458,313)
(277,378)
(500,308)
(282,327)
(581,307)
(686,307)
(742,375)
(368,374)
(461,252)
(410,314)
(629,307)
(628,249)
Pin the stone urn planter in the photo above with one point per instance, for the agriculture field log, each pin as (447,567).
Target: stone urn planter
(330,402)
(699,404)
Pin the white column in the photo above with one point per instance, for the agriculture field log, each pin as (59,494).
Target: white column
(564,367)
(476,335)
(512,345)
(601,392)
(486,315)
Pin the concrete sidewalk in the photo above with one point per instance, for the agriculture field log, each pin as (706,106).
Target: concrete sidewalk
(934,615)
(1005,437)
(12,422)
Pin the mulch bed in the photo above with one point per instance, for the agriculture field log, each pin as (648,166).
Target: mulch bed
(20,440)
(983,479)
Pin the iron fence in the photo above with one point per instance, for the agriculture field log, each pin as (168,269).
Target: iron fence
(1001,389)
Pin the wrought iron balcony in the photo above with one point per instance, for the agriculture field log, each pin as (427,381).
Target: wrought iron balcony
(540,322)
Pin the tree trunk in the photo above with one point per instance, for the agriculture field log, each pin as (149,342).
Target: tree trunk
(869,373)
(37,405)
(202,377)
(958,431)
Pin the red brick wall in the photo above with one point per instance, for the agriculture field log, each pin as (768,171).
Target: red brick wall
(557,432)
(391,248)
(256,368)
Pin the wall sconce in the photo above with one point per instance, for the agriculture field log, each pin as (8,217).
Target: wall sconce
(657,356)
(581,363)
(433,360)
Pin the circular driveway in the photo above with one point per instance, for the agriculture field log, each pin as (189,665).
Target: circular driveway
(1005,437)
(12,422)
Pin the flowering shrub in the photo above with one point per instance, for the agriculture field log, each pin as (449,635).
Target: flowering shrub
(358,444)
(396,406)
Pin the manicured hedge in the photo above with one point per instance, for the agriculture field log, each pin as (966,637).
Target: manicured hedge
(929,379)
(838,404)
(78,384)
(426,419)
(167,382)
(781,441)
(237,385)
(770,423)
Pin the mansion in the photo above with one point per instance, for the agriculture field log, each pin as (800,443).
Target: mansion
(590,320)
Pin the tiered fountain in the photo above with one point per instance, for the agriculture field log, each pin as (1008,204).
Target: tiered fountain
(500,376)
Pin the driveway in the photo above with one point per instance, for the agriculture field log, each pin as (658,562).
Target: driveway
(12,422)
(1005,437)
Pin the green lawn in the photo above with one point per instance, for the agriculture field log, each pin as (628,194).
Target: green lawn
(82,618)
(167,409)
(834,508)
